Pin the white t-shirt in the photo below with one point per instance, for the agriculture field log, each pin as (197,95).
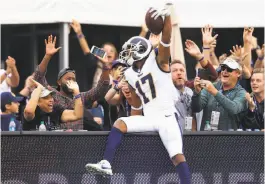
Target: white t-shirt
(4,87)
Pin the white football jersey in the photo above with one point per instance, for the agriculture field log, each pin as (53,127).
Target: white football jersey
(154,87)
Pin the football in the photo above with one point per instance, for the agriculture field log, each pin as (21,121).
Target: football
(155,26)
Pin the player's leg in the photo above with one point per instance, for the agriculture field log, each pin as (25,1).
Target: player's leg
(114,140)
(121,126)
(170,133)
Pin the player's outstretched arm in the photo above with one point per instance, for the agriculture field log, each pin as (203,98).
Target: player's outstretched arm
(164,45)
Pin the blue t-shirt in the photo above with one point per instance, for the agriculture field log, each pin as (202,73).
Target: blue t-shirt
(5,120)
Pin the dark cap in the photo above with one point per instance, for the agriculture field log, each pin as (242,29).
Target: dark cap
(7,98)
(63,72)
(118,62)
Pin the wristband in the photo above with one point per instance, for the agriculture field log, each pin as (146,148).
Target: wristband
(77,96)
(201,59)
(165,44)
(206,48)
(261,58)
(116,88)
(115,81)
(79,36)
(139,108)
(105,68)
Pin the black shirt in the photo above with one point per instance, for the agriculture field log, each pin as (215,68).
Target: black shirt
(51,120)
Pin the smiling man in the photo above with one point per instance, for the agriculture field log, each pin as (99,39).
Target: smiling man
(226,97)
(41,107)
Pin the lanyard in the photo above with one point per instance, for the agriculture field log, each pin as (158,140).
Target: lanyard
(256,111)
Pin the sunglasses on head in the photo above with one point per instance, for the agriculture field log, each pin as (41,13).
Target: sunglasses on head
(223,68)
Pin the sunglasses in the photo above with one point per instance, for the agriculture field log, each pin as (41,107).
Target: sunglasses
(223,68)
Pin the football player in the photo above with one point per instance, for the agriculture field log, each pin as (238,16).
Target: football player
(153,91)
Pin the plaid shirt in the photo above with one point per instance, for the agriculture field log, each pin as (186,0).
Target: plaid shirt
(87,97)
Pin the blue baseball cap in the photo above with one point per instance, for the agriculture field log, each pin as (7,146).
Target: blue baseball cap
(7,98)
(118,62)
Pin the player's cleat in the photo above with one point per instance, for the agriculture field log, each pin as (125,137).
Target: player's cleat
(103,168)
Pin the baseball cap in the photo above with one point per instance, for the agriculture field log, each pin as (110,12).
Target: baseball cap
(231,63)
(45,92)
(7,98)
(64,71)
(118,61)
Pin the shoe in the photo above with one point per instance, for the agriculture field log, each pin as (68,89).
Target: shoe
(103,168)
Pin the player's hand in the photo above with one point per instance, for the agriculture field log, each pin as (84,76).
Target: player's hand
(197,85)
(156,13)
(73,86)
(50,46)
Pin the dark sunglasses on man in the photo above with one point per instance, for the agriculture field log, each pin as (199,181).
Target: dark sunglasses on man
(223,68)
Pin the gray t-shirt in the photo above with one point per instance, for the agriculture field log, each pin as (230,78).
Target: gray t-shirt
(183,105)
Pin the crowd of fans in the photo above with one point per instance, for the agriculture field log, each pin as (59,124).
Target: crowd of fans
(231,86)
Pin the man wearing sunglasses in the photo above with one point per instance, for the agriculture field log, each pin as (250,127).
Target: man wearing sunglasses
(226,97)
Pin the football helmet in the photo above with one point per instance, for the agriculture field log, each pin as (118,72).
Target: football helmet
(135,49)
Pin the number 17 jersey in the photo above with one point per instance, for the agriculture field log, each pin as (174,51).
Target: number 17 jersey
(154,87)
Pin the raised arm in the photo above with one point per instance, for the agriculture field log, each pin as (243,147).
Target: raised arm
(81,38)
(260,60)
(176,48)
(50,51)
(29,111)
(77,113)
(164,45)
(102,87)
(144,31)
(208,40)
(247,39)
(13,80)
(239,56)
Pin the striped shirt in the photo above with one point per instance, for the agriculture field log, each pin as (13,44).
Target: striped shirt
(87,97)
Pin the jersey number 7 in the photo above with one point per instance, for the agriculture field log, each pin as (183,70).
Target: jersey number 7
(142,81)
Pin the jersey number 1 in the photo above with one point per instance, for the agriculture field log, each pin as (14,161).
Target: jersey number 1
(143,80)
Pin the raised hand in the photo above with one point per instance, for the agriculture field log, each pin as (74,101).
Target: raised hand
(50,46)
(76,27)
(207,37)
(260,52)
(238,54)
(251,104)
(36,84)
(73,86)
(10,62)
(144,28)
(247,35)
(154,39)
(197,85)
(193,49)
(222,58)
(126,90)
(156,13)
